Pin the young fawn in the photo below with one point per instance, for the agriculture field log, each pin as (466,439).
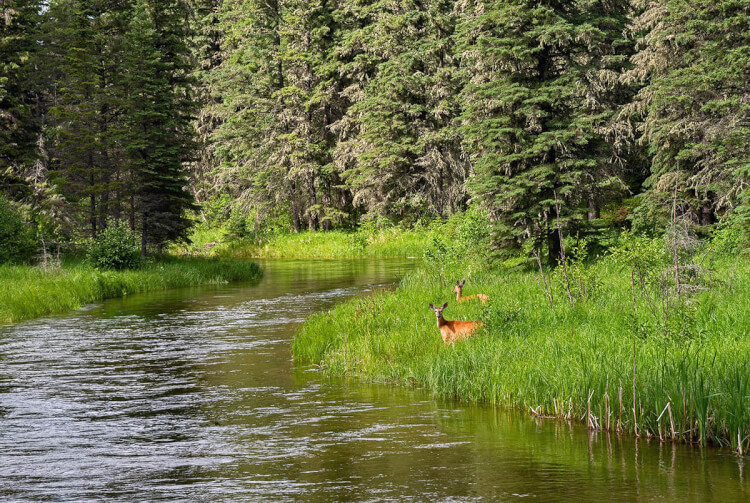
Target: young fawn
(455,330)
(459,289)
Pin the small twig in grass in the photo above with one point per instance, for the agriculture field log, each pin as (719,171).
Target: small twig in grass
(544,279)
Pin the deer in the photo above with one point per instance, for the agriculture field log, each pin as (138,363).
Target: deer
(454,330)
(458,289)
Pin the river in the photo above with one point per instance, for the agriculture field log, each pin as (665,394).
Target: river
(192,395)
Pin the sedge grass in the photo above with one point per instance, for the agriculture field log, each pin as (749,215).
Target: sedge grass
(28,292)
(599,362)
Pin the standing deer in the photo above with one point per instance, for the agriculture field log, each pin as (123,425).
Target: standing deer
(454,330)
(459,289)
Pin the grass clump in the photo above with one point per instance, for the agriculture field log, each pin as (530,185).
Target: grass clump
(28,292)
(618,357)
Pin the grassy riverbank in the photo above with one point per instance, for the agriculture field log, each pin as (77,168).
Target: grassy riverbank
(602,361)
(391,242)
(28,292)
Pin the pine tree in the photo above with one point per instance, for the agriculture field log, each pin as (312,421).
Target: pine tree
(159,114)
(19,124)
(85,46)
(207,55)
(400,150)
(533,121)
(693,112)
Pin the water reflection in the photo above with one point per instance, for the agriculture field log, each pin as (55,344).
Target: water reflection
(192,395)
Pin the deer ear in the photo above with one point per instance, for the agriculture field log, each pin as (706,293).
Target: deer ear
(458,283)
(462,282)
(444,306)
(431,306)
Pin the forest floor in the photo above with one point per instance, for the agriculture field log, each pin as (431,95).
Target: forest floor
(30,291)
(613,359)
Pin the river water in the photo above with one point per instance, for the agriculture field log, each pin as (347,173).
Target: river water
(192,395)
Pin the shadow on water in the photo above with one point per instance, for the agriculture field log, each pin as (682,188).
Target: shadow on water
(192,395)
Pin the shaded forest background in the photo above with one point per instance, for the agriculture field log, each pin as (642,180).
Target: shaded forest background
(550,118)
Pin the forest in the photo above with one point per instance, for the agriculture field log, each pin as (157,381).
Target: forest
(553,119)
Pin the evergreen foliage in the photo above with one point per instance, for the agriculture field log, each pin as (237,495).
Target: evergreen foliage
(693,110)
(158,115)
(17,241)
(557,118)
(539,83)
(19,120)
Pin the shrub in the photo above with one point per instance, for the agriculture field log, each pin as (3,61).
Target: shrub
(115,248)
(17,243)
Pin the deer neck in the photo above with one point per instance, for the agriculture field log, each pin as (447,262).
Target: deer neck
(458,295)
(441,322)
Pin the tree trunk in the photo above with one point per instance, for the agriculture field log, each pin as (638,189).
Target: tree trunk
(554,246)
(594,212)
(295,219)
(132,212)
(144,237)
(92,205)
(707,213)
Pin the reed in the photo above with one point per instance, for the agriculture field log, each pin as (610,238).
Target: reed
(595,361)
(28,292)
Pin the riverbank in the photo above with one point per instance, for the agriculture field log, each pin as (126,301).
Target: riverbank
(28,292)
(391,242)
(605,361)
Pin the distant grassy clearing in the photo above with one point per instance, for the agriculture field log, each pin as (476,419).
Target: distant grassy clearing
(28,292)
(383,243)
(574,362)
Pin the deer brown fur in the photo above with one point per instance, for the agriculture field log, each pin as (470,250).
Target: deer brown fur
(458,290)
(454,330)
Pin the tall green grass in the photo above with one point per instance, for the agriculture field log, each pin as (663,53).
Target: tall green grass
(28,292)
(383,243)
(599,362)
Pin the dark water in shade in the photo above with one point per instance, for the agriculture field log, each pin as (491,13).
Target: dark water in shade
(191,395)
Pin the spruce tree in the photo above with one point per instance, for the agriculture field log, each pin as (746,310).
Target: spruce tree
(19,124)
(692,112)
(84,44)
(532,120)
(400,151)
(159,113)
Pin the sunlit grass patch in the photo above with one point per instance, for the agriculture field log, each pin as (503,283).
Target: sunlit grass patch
(28,291)
(599,362)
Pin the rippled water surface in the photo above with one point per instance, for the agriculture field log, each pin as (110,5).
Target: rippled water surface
(192,395)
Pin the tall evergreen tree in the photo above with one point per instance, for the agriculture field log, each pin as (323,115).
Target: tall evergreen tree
(208,55)
(85,42)
(159,113)
(533,118)
(693,111)
(19,125)
(400,150)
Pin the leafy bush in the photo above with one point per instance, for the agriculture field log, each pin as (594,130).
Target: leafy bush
(115,248)
(17,243)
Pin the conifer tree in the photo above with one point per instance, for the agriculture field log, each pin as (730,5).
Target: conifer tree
(400,151)
(532,120)
(19,125)
(207,55)
(85,42)
(693,111)
(159,114)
